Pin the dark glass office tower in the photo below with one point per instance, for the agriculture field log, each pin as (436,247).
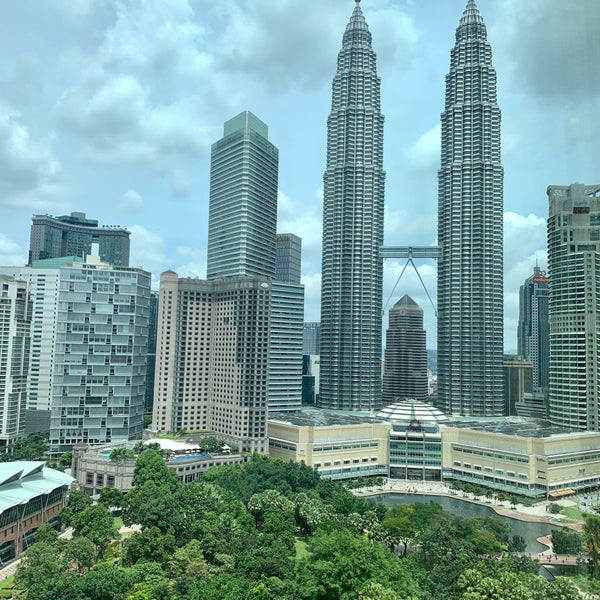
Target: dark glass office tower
(405,367)
(470,302)
(353,229)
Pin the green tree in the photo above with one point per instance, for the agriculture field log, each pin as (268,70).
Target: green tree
(77,502)
(566,541)
(65,460)
(340,563)
(591,543)
(149,545)
(80,553)
(399,525)
(375,591)
(151,466)
(112,498)
(105,582)
(96,524)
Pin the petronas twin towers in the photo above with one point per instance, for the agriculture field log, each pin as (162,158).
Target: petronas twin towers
(470,289)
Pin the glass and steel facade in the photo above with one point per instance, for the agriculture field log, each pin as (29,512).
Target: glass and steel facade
(405,365)
(470,268)
(242,220)
(353,213)
(101,345)
(574,269)
(533,333)
(73,235)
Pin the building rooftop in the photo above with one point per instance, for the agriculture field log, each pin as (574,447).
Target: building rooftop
(519,426)
(20,481)
(313,417)
(412,410)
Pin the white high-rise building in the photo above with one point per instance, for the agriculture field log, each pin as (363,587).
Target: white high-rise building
(574,304)
(15,336)
(89,344)
(353,205)
(470,268)
(212,358)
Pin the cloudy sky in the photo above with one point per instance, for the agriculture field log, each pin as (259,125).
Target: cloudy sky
(109,107)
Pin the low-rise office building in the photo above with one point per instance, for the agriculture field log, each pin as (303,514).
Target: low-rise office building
(337,445)
(94,469)
(532,458)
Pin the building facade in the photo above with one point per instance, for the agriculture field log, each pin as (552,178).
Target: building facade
(470,220)
(15,340)
(73,235)
(31,495)
(405,367)
(518,381)
(287,326)
(353,213)
(100,349)
(311,339)
(242,219)
(212,358)
(533,332)
(574,301)
(44,285)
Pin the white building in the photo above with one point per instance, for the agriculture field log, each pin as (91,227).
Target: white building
(15,328)
(574,301)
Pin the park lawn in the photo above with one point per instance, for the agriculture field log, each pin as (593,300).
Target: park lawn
(572,514)
(118,522)
(301,549)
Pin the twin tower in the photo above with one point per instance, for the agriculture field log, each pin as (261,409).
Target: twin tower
(470,265)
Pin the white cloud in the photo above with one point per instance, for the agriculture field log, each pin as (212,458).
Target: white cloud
(131,202)
(553,46)
(11,254)
(28,169)
(147,249)
(425,153)
(194,264)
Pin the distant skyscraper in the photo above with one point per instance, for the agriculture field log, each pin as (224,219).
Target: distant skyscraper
(288,264)
(353,202)
(574,304)
(311,343)
(470,300)
(73,235)
(151,358)
(15,338)
(533,333)
(242,220)
(405,367)
(286,327)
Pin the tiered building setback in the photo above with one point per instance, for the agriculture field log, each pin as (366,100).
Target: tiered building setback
(353,207)
(470,269)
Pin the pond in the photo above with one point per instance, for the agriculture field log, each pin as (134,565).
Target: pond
(528,530)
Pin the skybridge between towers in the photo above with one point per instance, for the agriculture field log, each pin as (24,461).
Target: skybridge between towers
(410,253)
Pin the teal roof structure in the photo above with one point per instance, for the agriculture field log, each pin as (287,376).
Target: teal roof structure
(21,481)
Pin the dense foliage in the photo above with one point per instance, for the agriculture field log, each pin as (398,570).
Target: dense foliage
(272,530)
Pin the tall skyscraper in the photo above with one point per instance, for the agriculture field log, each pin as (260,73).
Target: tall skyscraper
(353,202)
(73,235)
(242,219)
(15,339)
(574,303)
(470,301)
(405,367)
(286,327)
(533,332)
